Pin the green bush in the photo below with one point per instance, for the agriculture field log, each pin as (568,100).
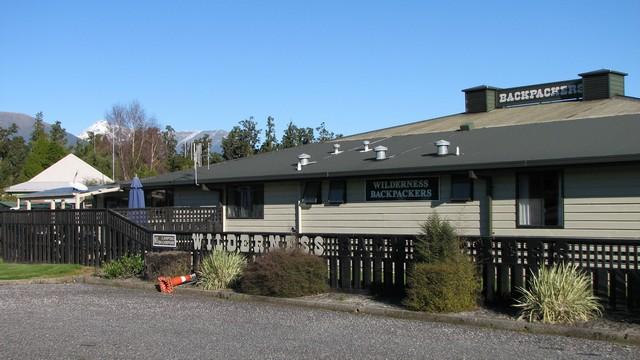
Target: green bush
(443,279)
(442,286)
(437,241)
(285,273)
(220,269)
(559,294)
(124,267)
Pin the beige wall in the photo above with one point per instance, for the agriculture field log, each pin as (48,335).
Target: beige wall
(389,217)
(279,210)
(599,202)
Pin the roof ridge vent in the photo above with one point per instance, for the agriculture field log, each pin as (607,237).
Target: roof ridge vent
(336,149)
(443,147)
(381,152)
(304,159)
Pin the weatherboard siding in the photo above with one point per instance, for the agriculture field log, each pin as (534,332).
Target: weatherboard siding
(599,202)
(280,200)
(389,217)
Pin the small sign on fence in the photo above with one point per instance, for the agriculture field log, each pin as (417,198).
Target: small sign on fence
(165,240)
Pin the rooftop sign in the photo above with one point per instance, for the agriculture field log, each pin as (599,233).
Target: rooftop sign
(562,90)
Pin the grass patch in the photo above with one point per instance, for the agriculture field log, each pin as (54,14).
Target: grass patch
(10,271)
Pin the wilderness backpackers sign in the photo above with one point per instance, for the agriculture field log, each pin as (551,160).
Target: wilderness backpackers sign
(425,188)
(255,243)
(562,90)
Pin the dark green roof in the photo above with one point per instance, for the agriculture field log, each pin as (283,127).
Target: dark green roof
(596,140)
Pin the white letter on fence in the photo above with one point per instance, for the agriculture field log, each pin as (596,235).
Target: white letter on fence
(231,243)
(197,241)
(209,237)
(319,248)
(244,243)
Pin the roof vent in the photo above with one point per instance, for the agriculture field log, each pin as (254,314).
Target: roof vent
(443,147)
(303,159)
(381,152)
(336,149)
(365,145)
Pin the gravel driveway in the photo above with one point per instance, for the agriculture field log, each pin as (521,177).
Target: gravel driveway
(78,321)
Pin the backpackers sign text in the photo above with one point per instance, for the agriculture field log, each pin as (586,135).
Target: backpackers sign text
(403,189)
(563,90)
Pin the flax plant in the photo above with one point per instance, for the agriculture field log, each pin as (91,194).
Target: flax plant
(220,269)
(559,294)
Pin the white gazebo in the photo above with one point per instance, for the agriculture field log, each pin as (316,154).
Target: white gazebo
(69,180)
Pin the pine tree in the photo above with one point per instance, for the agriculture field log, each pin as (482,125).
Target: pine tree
(270,141)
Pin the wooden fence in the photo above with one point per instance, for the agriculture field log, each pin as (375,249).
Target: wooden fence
(354,262)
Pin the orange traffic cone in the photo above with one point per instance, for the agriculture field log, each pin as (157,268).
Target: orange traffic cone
(168,284)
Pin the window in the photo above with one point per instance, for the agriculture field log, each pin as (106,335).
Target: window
(539,199)
(461,188)
(337,192)
(245,202)
(312,193)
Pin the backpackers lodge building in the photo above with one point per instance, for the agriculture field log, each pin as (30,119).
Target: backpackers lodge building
(554,160)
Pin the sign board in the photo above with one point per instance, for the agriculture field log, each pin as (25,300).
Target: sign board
(562,90)
(165,240)
(424,188)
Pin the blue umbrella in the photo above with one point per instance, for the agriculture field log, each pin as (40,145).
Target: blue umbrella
(136,201)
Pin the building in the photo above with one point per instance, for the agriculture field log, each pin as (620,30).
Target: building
(556,159)
(60,183)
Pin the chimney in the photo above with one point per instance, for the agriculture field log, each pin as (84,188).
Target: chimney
(602,84)
(381,152)
(480,99)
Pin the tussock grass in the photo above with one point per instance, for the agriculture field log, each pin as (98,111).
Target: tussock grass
(559,294)
(220,270)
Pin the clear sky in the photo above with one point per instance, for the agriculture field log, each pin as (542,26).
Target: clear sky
(356,65)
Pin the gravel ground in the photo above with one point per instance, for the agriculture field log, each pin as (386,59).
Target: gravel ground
(78,321)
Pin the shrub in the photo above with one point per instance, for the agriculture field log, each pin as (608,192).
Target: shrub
(220,269)
(442,286)
(559,294)
(437,241)
(285,273)
(124,267)
(443,279)
(166,263)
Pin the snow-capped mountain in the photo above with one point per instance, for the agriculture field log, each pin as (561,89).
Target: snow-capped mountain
(99,127)
(184,138)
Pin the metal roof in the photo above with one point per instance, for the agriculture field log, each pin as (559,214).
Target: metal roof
(517,115)
(594,140)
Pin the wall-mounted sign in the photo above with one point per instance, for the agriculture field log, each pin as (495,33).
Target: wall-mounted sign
(562,90)
(164,240)
(425,188)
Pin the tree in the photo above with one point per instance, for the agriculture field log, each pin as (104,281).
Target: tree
(138,142)
(43,152)
(58,134)
(290,136)
(241,140)
(295,136)
(324,134)
(13,151)
(38,128)
(270,141)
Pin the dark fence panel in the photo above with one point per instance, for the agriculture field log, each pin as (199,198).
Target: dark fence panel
(205,219)
(355,262)
(613,264)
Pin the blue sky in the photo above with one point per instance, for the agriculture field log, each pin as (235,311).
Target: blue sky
(356,65)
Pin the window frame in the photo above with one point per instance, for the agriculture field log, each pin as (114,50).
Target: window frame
(230,188)
(344,192)
(318,195)
(561,213)
(470,183)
